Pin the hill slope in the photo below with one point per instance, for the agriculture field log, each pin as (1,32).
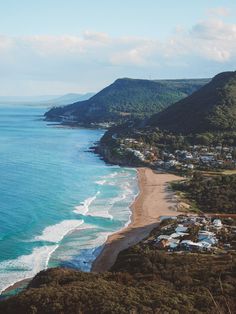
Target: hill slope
(211,108)
(143,280)
(125,98)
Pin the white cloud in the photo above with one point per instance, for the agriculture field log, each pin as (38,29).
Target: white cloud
(96,37)
(5,43)
(94,59)
(214,29)
(215,40)
(208,38)
(219,11)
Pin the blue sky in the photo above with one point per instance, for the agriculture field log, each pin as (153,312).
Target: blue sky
(60,46)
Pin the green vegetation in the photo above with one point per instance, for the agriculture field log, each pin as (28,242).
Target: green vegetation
(207,118)
(210,109)
(127,98)
(143,280)
(215,194)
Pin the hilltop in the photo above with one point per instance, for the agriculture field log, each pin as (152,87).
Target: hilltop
(126,98)
(212,108)
(198,132)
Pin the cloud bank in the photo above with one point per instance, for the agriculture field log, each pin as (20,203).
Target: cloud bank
(59,64)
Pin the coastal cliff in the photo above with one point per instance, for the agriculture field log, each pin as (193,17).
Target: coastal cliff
(112,156)
(143,280)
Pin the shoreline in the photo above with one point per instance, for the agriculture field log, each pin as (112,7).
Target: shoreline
(17,285)
(153,201)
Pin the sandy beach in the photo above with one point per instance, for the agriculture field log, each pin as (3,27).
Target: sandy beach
(155,199)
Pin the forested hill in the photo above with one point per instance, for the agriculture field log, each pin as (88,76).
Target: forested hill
(127,97)
(211,108)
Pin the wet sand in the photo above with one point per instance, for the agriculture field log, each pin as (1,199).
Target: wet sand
(154,200)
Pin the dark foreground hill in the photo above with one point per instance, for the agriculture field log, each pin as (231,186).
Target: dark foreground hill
(210,109)
(142,281)
(126,98)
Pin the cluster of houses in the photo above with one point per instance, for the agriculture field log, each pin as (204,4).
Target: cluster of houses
(137,149)
(194,234)
(196,156)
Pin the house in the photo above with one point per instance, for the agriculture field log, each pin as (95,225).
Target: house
(226,149)
(203,234)
(211,241)
(173,244)
(188,156)
(177,235)
(162,244)
(167,243)
(162,237)
(181,228)
(206,246)
(190,166)
(217,223)
(190,245)
(207,158)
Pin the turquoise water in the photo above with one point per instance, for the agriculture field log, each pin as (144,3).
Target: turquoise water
(58,202)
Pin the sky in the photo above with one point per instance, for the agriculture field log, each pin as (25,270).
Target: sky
(54,47)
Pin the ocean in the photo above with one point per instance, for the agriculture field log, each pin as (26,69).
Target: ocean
(58,201)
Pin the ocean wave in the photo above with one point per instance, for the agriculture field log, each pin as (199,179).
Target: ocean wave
(105,182)
(84,207)
(100,221)
(56,233)
(25,266)
(111,175)
(116,177)
(86,257)
(104,213)
(101,182)
(127,191)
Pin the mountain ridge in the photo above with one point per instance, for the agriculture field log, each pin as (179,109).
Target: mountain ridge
(127,97)
(211,108)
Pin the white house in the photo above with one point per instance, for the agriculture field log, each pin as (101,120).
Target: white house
(181,228)
(217,223)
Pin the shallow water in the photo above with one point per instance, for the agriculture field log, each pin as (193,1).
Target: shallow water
(58,202)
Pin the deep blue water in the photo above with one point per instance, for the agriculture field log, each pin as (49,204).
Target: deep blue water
(58,202)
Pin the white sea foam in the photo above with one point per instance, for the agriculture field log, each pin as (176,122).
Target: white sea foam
(100,239)
(105,182)
(126,192)
(28,265)
(84,207)
(56,233)
(101,182)
(104,213)
(25,266)
(86,256)
(111,175)
(102,209)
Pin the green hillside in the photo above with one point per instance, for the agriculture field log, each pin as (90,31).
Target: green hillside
(144,280)
(125,98)
(210,109)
